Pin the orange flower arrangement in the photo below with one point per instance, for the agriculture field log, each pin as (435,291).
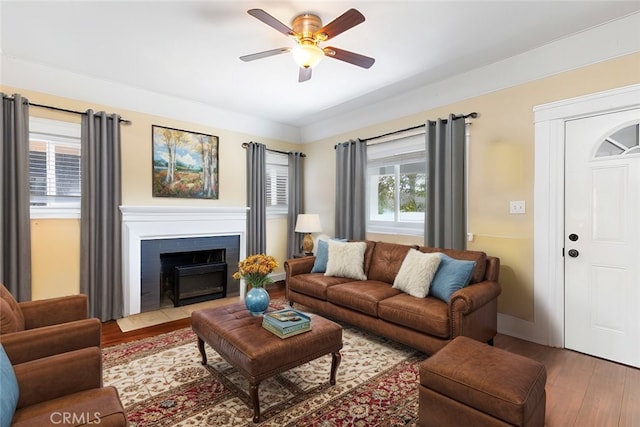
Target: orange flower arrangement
(255,270)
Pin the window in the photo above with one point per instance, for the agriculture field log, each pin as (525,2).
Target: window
(54,168)
(623,142)
(277,171)
(396,185)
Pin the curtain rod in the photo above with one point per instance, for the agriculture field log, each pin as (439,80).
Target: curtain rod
(123,121)
(460,116)
(246,144)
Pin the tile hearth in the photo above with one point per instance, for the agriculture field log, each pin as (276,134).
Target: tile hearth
(168,314)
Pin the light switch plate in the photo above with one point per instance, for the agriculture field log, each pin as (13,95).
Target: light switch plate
(517,207)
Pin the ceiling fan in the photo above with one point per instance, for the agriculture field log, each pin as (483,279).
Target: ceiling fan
(308,32)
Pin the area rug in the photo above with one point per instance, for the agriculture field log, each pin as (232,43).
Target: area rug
(162,383)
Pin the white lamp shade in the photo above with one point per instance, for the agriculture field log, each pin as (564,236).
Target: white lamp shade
(308,223)
(307,55)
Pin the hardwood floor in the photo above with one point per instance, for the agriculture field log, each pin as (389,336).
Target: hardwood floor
(112,335)
(582,391)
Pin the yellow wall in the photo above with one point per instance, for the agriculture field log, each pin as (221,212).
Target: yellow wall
(55,257)
(501,168)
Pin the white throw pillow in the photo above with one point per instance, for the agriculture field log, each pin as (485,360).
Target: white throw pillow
(416,273)
(346,259)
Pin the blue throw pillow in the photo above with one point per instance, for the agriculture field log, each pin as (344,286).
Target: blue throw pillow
(9,387)
(452,274)
(322,256)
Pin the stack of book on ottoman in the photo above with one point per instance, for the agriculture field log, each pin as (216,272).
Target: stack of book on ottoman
(286,323)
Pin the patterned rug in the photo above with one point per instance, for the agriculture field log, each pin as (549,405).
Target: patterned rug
(162,383)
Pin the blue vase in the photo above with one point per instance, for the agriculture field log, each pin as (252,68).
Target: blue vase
(257,301)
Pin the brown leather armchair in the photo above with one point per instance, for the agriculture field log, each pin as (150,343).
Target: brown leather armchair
(66,389)
(36,329)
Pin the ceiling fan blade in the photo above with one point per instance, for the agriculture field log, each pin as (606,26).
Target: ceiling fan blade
(342,23)
(304,74)
(270,21)
(265,54)
(350,57)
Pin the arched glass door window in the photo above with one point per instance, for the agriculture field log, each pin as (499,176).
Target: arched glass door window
(622,142)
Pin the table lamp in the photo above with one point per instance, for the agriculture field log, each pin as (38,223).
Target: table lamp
(308,223)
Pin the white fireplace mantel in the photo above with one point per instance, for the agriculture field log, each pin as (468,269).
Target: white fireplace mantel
(166,222)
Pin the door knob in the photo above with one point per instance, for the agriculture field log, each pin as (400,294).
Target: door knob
(573,253)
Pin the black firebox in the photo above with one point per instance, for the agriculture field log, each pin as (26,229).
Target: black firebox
(191,277)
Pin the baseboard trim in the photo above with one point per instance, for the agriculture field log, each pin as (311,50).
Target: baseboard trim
(519,328)
(278,276)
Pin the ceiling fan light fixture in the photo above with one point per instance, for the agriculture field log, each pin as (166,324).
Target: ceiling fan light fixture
(308,32)
(307,55)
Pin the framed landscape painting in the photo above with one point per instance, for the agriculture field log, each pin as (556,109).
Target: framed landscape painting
(185,164)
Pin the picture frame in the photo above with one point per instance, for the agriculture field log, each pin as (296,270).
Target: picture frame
(185,163)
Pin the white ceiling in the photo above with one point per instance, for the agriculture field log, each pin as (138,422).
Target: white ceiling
(191,49)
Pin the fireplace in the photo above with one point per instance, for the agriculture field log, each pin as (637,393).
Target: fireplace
(191,277)
(149,231)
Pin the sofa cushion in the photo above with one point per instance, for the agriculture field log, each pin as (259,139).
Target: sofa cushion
(362,296)
(427,315)
(452,275)
(479,257)
(9,387)
(416,273)
(314,284)
(386,261)
(346,259)
(11,317)
(322,256)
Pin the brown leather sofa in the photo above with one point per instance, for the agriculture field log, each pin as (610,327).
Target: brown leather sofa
(426,324)
(37,329)
(66,390)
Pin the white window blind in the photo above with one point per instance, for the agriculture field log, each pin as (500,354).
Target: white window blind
(54,165)
(277,176)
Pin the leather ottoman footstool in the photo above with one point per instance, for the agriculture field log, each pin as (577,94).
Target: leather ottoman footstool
(469,383)
(257,353)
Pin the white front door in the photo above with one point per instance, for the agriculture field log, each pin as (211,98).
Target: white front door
(602,236)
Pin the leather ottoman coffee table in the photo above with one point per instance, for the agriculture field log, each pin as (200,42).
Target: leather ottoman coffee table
(258,354)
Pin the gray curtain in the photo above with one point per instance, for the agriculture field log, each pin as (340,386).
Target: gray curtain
(445,213)
(15,232)
(351,169)
(100,222)
(294,240)
(256,198)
